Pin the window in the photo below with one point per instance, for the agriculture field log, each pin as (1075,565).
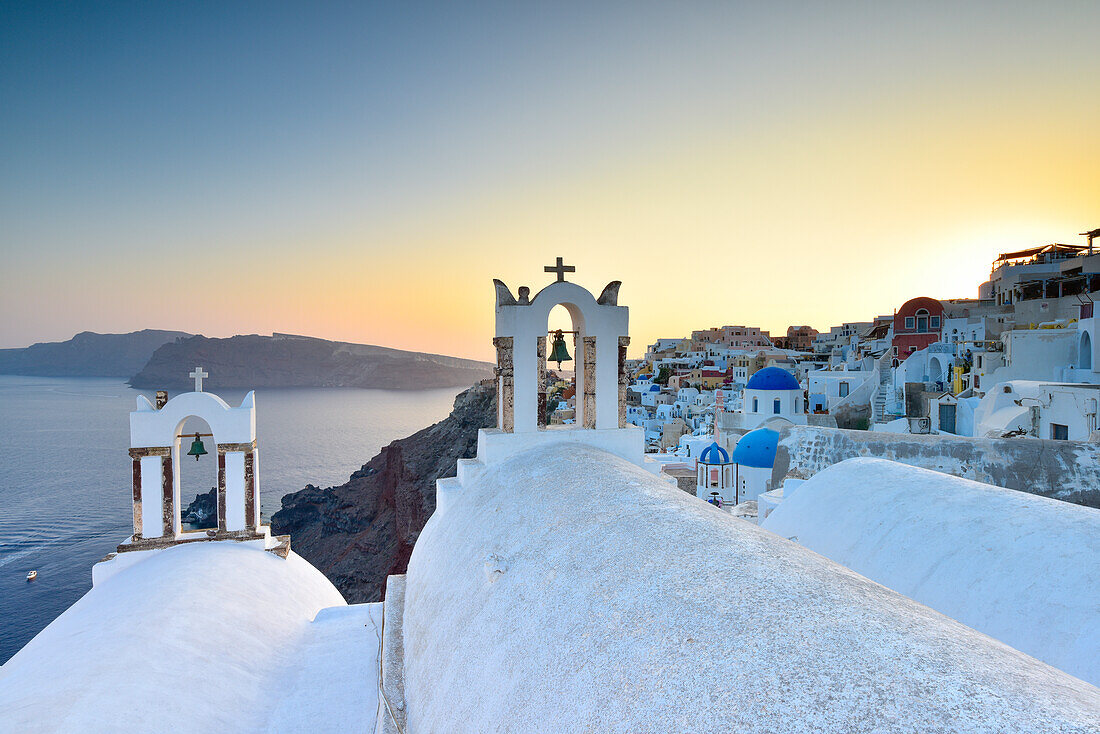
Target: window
(934,322)
(775,406)
(922,321)
(755,405)
(979,361)
(844,389)
(1059,432)
(912,349)
(909,322)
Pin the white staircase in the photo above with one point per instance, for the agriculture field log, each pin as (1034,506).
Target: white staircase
(884,366)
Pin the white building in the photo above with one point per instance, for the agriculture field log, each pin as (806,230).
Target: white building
(772,392)
(1041,354)
(753,458)
(1060,411)
(714,475)
(835,385)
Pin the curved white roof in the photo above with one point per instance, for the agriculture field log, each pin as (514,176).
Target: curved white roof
(207,636)
(1019,567)
(567,587)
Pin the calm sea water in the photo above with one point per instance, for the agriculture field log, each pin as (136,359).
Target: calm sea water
(65,476)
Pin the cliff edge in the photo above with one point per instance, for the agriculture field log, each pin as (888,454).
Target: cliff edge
(87,354)
(362,531)
(283,360)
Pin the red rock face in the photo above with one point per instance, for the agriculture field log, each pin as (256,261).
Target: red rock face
(364,530)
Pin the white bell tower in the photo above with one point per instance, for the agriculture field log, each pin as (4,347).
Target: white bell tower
(155,442)
(522,328)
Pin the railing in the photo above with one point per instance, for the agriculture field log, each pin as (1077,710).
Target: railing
(939,348)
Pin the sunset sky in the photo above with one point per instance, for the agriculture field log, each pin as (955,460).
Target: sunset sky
(362,173)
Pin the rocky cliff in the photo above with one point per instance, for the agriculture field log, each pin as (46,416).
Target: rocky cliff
(87,355)
(203,511)
(282,360)
(362,531)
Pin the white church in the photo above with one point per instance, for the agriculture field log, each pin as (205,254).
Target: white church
(564,584)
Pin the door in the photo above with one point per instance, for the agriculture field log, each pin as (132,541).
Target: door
(947,418)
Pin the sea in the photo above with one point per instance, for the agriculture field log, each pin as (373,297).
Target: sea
(65,472)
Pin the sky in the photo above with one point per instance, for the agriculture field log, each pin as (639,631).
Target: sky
(362,172)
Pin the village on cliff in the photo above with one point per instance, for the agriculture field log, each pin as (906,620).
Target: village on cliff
(888,527)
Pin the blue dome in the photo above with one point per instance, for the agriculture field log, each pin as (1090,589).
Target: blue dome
(772,378)
(756,448)
(655,388)
(714,454)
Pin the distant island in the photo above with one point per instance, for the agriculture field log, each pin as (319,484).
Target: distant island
(286,360)
(87,355)
(160,360)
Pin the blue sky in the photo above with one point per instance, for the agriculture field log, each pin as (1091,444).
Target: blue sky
(248,167)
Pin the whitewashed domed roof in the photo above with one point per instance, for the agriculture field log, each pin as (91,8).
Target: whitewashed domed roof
(565,589)
(1018,567)
(198,637)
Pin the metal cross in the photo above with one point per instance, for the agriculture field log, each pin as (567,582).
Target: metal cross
(560,269)
(198,374)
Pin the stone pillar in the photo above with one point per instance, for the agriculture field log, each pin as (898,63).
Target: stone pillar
(589,347)
(624,379)
(221,491)
(540,356)
(137,497)
(505,383)
(168,501)
(250,491)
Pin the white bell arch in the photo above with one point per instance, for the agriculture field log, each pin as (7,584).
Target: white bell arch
(155,444)
(602,338)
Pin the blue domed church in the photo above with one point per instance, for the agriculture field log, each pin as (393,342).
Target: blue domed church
(772,393)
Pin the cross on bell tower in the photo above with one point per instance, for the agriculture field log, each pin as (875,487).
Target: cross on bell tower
(198,374)
(560,269)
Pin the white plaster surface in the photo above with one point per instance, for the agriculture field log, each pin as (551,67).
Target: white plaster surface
(152,427)
(1021,568)
(152,516)
(202,637)
(494,446)
(568,590)
(1007,406)
(333,685)
(234,490)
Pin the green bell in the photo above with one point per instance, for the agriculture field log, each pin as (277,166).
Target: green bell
(559,353)
(197,449)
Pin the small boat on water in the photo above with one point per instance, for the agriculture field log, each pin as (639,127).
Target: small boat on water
(32,575)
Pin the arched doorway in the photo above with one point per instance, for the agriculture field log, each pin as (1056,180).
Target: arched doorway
(937,371)
(196,477)
(568,318)
(1084,351)
(563,402)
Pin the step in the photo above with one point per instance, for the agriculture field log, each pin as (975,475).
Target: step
(466,470)
(446,491)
